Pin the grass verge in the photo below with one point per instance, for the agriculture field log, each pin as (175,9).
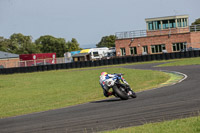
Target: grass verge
(186,125)
(182,62)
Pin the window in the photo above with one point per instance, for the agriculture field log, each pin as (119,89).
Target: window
(165,24)
(123,51)
(133,50)
(157,48)
(154,25)
(145,49)
(179,22)
(95,54)
(150,25)
(172,23)
(179,46)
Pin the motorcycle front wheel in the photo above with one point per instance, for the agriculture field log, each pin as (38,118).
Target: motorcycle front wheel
(118,91)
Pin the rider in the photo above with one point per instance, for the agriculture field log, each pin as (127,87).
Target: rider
(103,77)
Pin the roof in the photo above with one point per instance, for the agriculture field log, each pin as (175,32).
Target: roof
(5,55)
(85,51)
(80,55)
(166,18)
(74,52)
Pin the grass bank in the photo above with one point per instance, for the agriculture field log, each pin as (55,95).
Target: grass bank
(187,125)
(41,91)
(182,62)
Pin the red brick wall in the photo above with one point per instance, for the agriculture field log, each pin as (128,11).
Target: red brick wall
(10,62)
(168,31)
(168,40)
(195,39)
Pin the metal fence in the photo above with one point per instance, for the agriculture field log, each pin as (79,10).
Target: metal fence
(27,63)
(144,33)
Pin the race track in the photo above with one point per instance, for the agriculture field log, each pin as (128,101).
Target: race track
(177,101)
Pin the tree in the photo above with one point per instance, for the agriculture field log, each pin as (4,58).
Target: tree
(107,41)
(50,44)
(3,44)
(196,22)
(18,44)
(21,44)
(73,45)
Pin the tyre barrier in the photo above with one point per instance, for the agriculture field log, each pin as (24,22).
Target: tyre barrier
(111,61)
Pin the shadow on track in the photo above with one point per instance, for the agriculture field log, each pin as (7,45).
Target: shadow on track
(107,100)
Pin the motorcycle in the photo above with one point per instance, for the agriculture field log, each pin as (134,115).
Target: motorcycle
(121,90)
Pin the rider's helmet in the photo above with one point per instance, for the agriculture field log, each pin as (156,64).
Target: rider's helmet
(104,73)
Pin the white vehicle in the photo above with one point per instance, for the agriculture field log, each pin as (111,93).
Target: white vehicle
(99,53)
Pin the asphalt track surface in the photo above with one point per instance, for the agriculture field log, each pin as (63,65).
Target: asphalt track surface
(177,101)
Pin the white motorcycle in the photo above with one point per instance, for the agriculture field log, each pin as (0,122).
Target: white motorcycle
(121,90)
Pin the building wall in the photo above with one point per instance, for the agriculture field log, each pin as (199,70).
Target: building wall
(168,31)
(168,40)
(195,39)
(10,62)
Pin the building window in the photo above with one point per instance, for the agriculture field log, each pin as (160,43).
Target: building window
(154,25)
(123,51)
(144,50)
(150,25)
(157,48)
(172,23)
(179,46)
(133,50)
(179,23)
(165,24)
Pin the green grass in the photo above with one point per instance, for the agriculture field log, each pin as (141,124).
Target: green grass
(187,125)
(41,91)
(182,62)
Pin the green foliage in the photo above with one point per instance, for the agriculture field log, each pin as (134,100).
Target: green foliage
(50,44)
(107,41)
(196,22)
(18,44)
(4,44)
(73,45)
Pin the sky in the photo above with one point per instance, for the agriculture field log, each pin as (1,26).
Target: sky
(86,20)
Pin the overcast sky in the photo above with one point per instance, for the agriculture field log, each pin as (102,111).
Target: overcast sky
(86,20)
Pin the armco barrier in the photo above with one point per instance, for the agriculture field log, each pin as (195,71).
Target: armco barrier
(110,61)
(124,60)
(117,60)
(153,57)
(186,54)
(191,53)
(196,53)
(139,58)
(134,59)
(177,55)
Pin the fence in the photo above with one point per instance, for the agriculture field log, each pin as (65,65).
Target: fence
(8,63)
(144,33)
(104,62)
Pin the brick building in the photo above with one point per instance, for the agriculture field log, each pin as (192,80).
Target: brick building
(163,34)
(8,60)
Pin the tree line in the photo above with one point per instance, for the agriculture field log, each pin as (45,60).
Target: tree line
(21,44)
